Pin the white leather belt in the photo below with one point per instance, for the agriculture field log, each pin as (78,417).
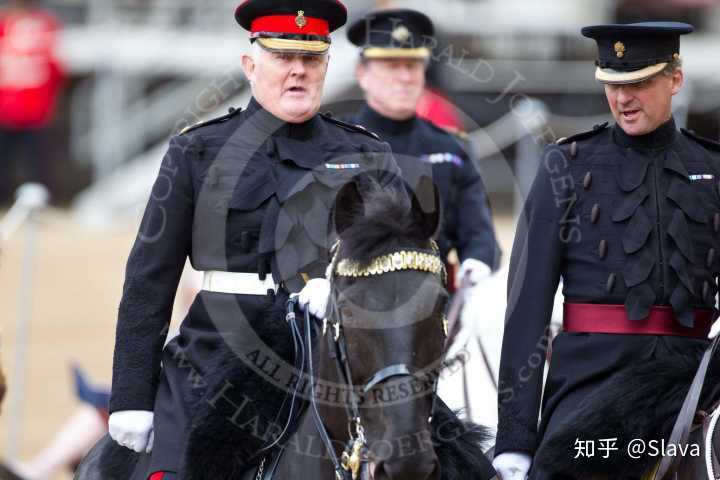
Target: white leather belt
(238,283)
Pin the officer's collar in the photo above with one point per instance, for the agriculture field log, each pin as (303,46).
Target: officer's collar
(269,124)
(381,124)
(661,137)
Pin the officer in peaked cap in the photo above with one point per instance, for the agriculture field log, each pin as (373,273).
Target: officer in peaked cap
(246,197)
(394,55)
(629,216)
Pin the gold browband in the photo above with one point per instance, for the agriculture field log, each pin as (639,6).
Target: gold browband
(390,262)
(393,262)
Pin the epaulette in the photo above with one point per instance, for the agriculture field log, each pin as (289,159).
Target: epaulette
(349,126)
(231,113)
(583,135)
(704,141)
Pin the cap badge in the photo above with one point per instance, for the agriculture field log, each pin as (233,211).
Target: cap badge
(300,20)
(401,34)
(620,49)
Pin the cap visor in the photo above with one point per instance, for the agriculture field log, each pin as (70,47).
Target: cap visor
(617,77)
(311,47)
(379,52)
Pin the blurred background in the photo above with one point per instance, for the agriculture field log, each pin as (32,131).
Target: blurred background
(91,90)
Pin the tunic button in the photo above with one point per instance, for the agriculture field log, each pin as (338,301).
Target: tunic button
(610,283)
(710,257)
(716,222)
(595,213)
(587,181)
(602,249)
(573,149)
(705,290)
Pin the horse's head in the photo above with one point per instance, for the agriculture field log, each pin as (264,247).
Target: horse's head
(388,314)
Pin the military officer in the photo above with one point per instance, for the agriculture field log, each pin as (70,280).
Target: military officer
(394,56)
(247,198)
(628,215)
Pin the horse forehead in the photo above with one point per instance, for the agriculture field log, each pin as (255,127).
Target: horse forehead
(389,283)
(392,294)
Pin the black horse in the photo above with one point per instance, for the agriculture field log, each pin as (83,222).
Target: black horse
(655,404)
(366,406)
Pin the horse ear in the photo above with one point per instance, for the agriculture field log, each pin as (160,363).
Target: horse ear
(348,204)
(426,206)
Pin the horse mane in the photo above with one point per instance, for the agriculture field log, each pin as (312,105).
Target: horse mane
(459,445)
(382,221)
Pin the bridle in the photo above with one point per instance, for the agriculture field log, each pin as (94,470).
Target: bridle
(348,466)
(424,260)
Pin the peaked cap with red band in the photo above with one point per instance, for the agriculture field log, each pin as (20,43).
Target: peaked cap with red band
(302,26)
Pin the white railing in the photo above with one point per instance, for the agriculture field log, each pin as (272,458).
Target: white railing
(31,198)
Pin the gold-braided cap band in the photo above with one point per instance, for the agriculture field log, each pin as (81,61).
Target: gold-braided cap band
(315,47)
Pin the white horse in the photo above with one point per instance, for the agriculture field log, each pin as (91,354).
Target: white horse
(478,346)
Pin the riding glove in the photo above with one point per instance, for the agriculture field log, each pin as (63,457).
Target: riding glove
(512,465)
(132,429)
(314,297)
(475,268)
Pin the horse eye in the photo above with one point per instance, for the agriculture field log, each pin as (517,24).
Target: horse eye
(346,312)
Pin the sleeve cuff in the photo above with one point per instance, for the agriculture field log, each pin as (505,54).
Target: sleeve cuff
(514,436)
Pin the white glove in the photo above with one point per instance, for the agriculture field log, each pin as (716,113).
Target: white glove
(477,269)
(132,429)
(314,297)
(512,465)
(714,330)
